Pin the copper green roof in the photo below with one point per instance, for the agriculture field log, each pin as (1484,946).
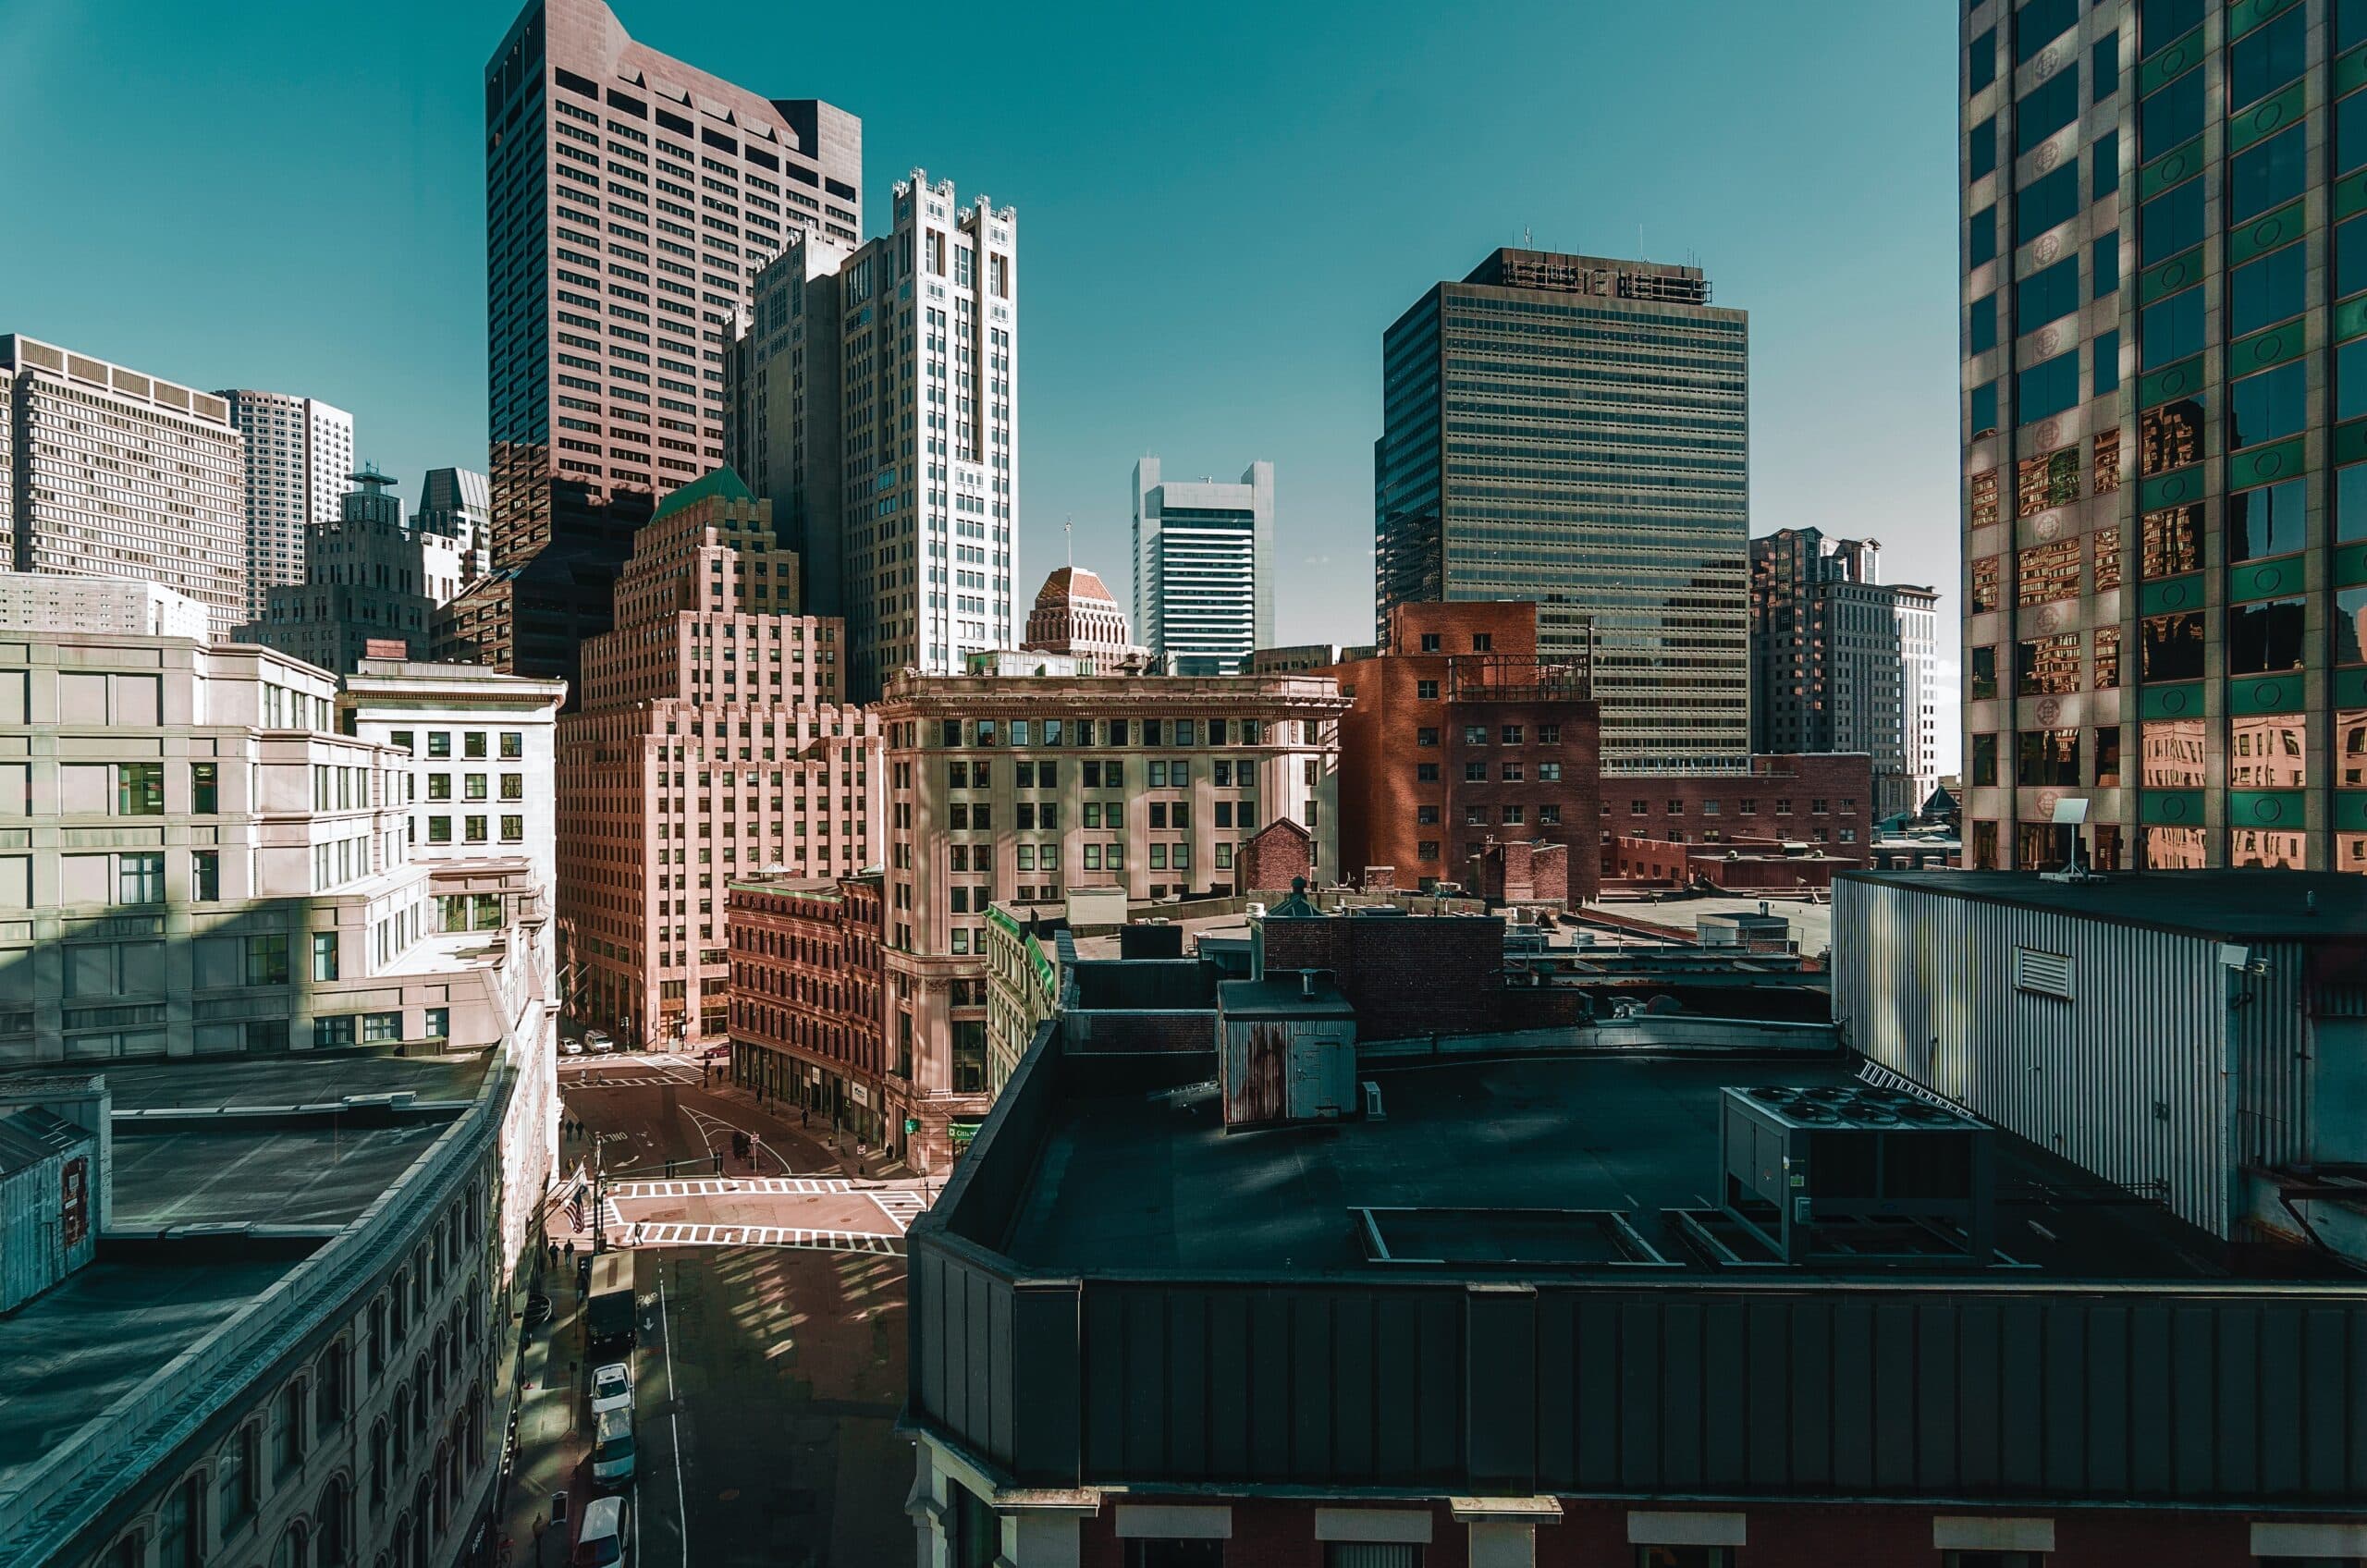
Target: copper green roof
(722,482)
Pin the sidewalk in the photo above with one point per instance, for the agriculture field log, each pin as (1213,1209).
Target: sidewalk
(813,1142)
(552,1438)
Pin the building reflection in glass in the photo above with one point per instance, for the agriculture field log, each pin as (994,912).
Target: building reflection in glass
(2174,848)
(2174,754)
(2351,852)
(2257,846)
(2269,752)
(2351,745)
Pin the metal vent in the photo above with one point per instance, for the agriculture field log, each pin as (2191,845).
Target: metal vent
(2045,973)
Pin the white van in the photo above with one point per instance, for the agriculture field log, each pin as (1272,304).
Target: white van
(601,1542)
(598,1040)
(612,1452)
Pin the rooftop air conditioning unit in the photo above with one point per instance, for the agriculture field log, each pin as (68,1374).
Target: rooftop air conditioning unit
(1841,1171)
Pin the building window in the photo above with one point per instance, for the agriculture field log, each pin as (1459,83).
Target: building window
(1684,1556)
(1174,1554)
(140,879)
(1426,690)
(204,787)
(323,955)
(234,1481)
(205,875)
(138,789)
(1426,849)
(287,1430)
(1425,736)
(513,744)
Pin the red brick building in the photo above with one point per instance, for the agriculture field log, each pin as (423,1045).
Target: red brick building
(1274,856)
(806,1003)
(1460,734)
(1817,801)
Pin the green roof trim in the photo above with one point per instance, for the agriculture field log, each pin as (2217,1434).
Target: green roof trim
(723,483)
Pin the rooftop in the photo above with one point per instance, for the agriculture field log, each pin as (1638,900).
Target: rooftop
(1499,1154)
(1072,582)
(314,1175)
(2247,904)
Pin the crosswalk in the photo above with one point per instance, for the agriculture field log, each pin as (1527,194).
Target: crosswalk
(655,1233)
(901,1206)
(592,1080)
(724,1186)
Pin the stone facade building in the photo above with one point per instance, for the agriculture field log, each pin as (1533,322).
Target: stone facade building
(1020,787)
(367,576)
(298,456)
(713,743)
(1075,615)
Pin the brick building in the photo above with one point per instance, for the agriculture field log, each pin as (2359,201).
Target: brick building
(806,985)
(713,743)
(1460,733)
(1820,802)
(1273,857)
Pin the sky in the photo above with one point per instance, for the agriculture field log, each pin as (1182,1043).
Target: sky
(1222,206)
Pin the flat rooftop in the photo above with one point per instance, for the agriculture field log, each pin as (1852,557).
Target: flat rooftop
(299,1078)
(309,1175)
(2248,903)
(1504,1155)
(69,1355)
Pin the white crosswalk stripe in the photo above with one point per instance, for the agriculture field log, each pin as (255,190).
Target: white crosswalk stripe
(724,1186)
(901,1206)
(668,1233)
(624,1081)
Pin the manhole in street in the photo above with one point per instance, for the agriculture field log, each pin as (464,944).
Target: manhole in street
(727,1494)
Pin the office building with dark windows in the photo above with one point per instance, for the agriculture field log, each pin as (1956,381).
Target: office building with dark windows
(1574,432)
(1204,568)
(2165,461)
(629,200)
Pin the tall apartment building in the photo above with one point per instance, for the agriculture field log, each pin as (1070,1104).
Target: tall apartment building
(1204,568)
(299,454)
(1574,432)
(2162,261)
(1462,735)
(1842,661)
(629,199)
(369,577)
(876,404)
(713,741)
(113,473)
(1024,787)
(458,503)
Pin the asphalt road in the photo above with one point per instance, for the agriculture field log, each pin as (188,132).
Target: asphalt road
(767,1379)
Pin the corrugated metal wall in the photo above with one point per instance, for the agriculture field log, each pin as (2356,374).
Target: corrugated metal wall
(2157,1071)
(2189,1397)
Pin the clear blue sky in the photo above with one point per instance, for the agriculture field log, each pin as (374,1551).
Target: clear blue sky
(1222,206)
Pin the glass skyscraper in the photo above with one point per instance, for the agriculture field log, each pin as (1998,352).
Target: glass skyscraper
(1575,431)
(2164,347)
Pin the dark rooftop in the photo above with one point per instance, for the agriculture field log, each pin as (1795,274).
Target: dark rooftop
(311,1174)
(1509,1157)
(299,1078)
(2249,903)
(1281,994)
(74,1351)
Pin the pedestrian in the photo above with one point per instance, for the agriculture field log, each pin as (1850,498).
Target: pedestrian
(570,1249)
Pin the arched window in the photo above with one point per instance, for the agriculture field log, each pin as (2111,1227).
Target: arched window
(441,1475)
(332,1531)
(295,1548)
(330,1376)
(287,1430)
(423,1505)
(402,1426)
(132,1551)
(180,1525)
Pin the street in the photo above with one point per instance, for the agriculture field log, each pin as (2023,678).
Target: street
(769,1363)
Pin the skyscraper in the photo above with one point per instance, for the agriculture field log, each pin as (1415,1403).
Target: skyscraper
(369,577)
(1594,457)
(299,452)
(1204,568)
(456,503)
(629,198)
(113,473)
(1842,661)
(875,399)
(710,675)
(2163,259)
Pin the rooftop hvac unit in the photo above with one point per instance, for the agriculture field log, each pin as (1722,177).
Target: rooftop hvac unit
(1842,1173)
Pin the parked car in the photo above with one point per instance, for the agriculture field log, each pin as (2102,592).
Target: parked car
(612,1452)
(571,1045)
(611,1388)
(599,1040)
(601,1542)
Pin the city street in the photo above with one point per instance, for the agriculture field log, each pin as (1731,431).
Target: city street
(769,1363)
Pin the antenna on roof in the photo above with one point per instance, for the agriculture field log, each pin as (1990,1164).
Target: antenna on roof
(1067,536)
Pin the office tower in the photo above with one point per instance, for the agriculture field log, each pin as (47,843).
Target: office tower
(711,741)
(1575,431)
(458,503)
(903,460)
(629,199)
(299,454)
(2165,516)
(113,473)
(369,577)
(1842,661)
(1204,568)
(1075,615)
(117,605)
